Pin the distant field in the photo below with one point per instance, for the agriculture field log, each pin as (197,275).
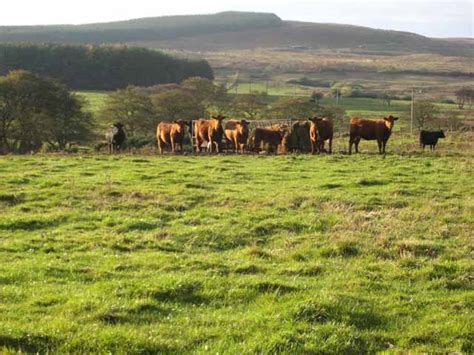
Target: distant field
(369,108)
(238,254)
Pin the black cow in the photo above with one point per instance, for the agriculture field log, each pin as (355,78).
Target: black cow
(115,136)
(430,138)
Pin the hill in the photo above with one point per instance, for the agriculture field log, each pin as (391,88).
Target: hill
(236,30)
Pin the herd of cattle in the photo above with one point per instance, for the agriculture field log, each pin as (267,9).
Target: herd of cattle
(304,135)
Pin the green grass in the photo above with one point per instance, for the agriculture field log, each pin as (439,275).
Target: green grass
(237,254)
(95,100)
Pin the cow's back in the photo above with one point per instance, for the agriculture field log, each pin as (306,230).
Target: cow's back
(365,129)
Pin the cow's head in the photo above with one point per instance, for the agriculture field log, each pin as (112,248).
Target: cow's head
(118,125)
(179,125)
(243,126)
(390,121)
(441,134)
(315,119)
(217,121)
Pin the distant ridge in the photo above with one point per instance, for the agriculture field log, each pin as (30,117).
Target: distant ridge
(237,30)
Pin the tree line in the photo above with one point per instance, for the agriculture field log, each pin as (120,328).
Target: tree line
(100,67)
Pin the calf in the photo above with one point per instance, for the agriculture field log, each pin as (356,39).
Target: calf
(269,136)
(170,133)
(379,130)
(209,131)
(237,133)
(321,129)
(430,138)
(115,137)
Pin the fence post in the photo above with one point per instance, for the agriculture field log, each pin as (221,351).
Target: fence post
(412,109)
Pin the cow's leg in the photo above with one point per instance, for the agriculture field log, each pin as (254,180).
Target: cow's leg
(384,144)
(351,142)
(379,144)
(313,143)
(321,147)
(356,144)
(198,145)
(173,150)
(181,147)
(330,145)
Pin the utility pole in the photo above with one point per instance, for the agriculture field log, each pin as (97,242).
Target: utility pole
(412,113)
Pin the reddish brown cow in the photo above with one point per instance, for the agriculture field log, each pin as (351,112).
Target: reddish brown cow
(269,136)
(321,130)
(379,130)
(170,133)
(237,133)
(209,131)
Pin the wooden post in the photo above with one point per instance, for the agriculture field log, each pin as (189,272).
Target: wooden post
(412,113)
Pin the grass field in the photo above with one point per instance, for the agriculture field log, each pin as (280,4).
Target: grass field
(364,107)
(238,254)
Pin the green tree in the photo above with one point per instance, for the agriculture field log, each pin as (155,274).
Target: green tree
(249,105)
(213,98)
(177,104)
(34,111)
(292,108)
(133,108)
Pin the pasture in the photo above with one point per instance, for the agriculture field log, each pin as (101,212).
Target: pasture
(238,254)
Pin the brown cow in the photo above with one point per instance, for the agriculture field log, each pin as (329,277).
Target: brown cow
(321,130)
(209,131)
(237,133)
(269,136)
(170,133)
(379,130)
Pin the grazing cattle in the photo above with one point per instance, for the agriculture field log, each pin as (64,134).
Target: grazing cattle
(237,133)
(430,138)
(273,138)
(297,139)
(170,133)
(379,130)
(209,131)
(115,137)
(320,131)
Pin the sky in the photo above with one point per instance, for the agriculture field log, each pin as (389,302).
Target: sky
(434,18)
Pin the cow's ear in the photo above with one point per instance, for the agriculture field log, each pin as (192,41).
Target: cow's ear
(395,118)
(214,117)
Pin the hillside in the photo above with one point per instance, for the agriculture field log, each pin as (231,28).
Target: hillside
(236,30)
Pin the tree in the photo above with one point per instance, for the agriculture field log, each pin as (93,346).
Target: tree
(133,108)
(386,99)
(177,104)
(316,96)
(34,111)
(249,105)
(464,96)
(424,111)
(292,108)
(212,97)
